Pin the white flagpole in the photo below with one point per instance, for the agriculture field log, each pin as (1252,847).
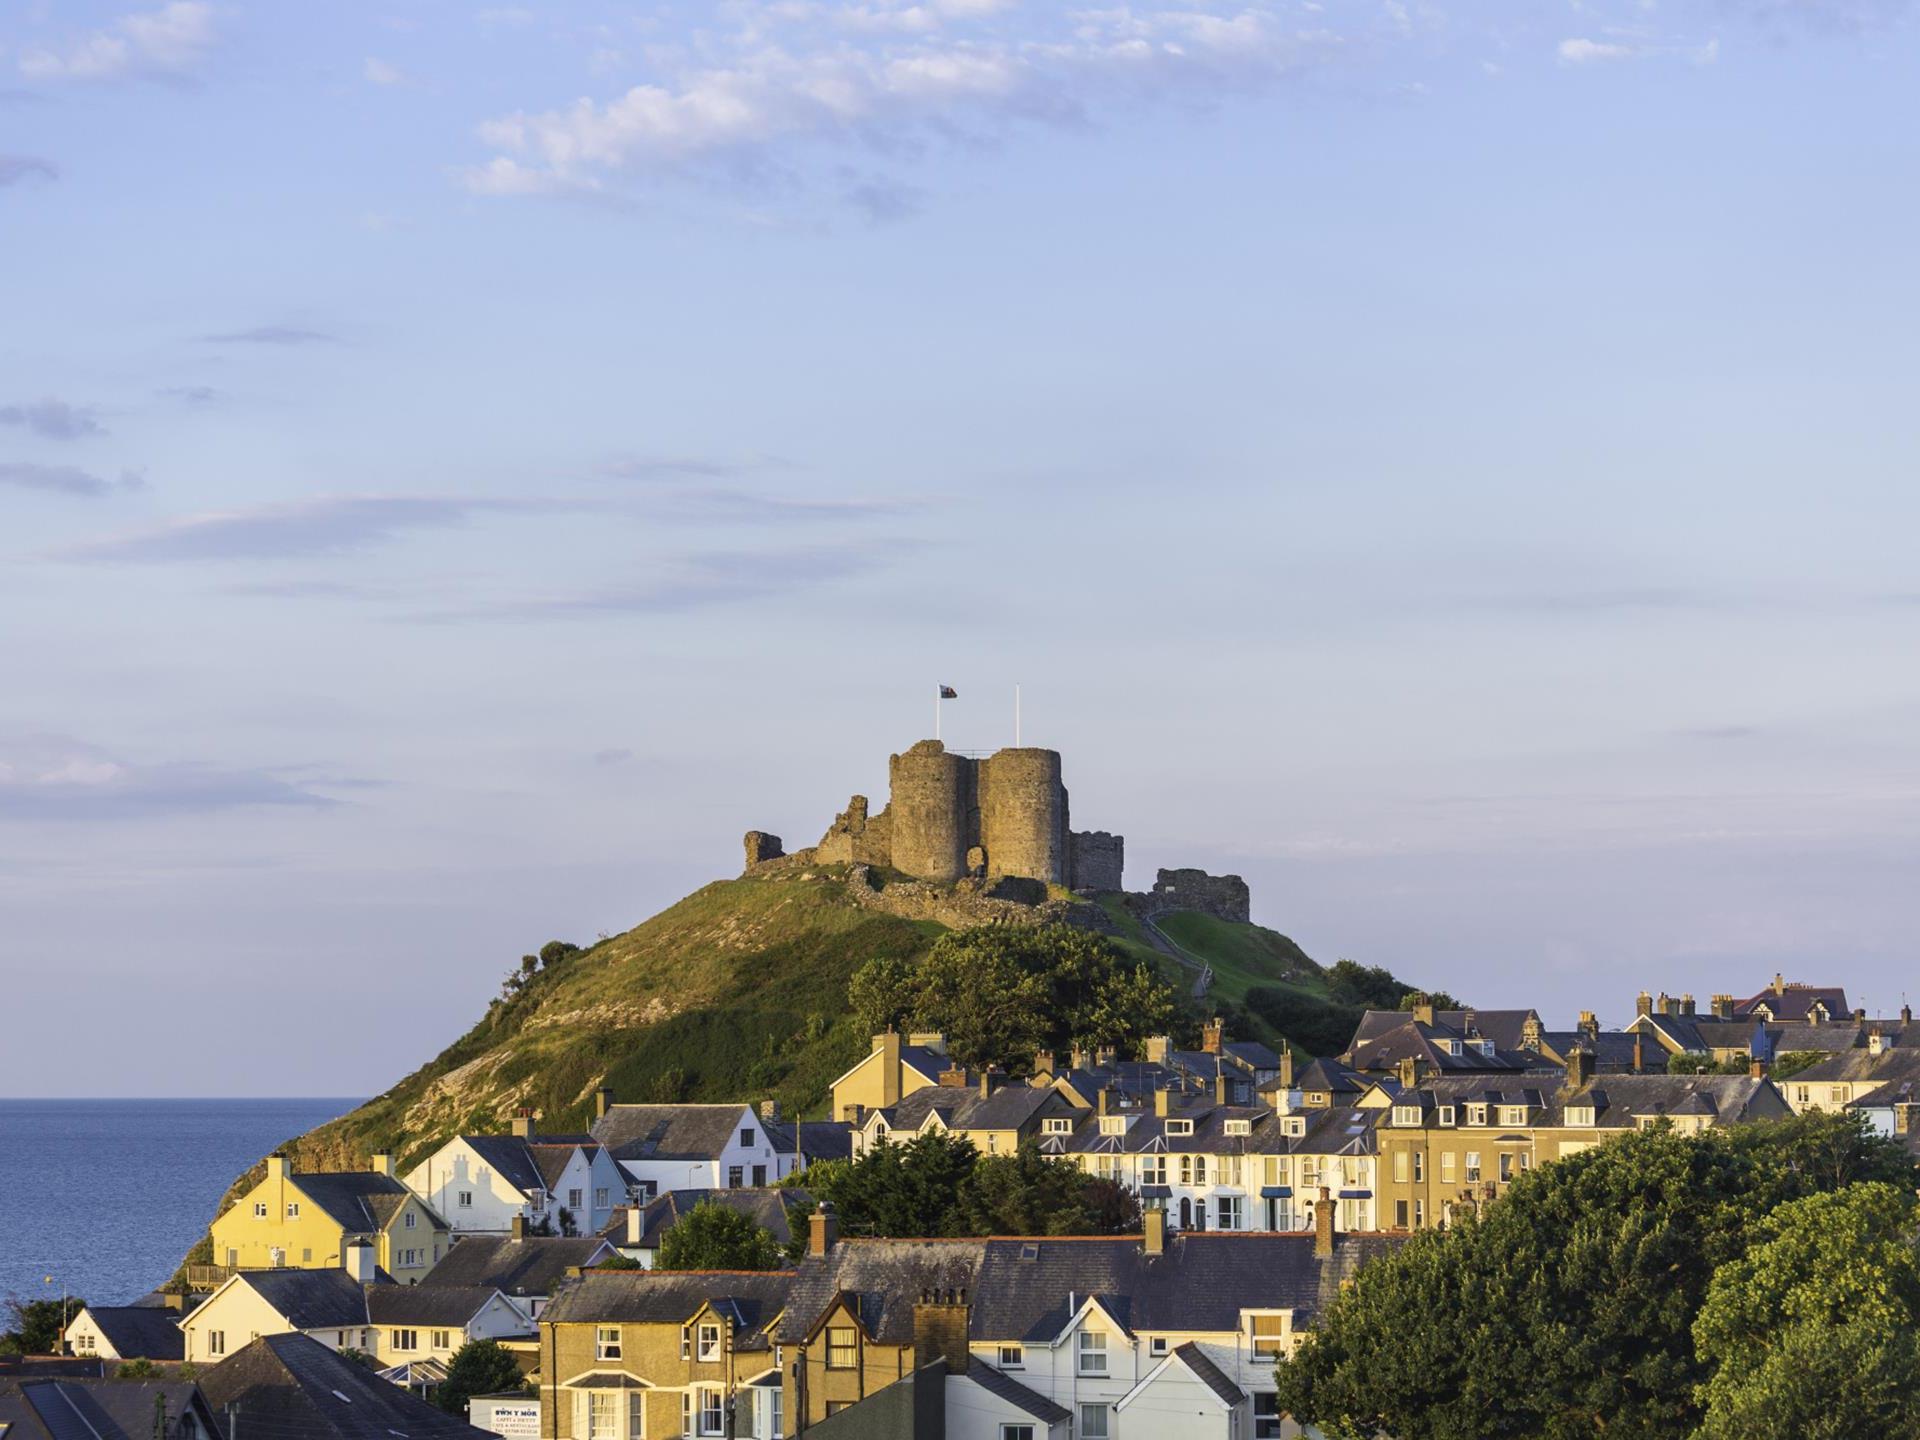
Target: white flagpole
(1016,716)
(936,712)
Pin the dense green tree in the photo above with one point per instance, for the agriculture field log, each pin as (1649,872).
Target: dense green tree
(479,1367)
(554,951)
(976,990)
(713,1237)
(1815,1331)
(37,1324)
(1439,999)
(882,994)
(1122,1008)
(1567,1308)
(1025,1194)
(909,1189)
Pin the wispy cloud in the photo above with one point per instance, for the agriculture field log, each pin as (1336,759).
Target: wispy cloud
(16,168)
(378,72)
(52,419)
(912,81)
(169,43)
(656,467)
(190,394)
(272,335)
(327,526)
(698,582)
(612,757)
(53,778)
(1581,51)
(64,479)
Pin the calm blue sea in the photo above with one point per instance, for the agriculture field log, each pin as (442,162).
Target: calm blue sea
(107,1195)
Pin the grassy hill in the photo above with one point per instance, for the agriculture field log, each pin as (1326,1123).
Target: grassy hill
(738,992)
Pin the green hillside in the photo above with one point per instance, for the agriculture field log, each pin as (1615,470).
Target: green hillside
(739,992)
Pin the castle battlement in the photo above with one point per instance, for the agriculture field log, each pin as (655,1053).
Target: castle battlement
(951,815)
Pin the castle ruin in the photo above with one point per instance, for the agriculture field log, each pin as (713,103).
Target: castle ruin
(949,816)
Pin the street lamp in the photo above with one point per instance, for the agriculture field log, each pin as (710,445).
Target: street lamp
(60,1340)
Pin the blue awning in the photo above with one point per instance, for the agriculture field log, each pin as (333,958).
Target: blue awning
(1356,1194)
(1155,1192)
(1276,1192)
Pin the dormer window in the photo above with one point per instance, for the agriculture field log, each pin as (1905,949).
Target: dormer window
(1293,1125)
(1239,1127)
(1580,1115)
(1513,1114)
(1444,1114)
(1485,1047)
(1113,1124)
(1179,1127)
(1476,1114)
(1454,1047)
(1057,1126)
(1406,1115)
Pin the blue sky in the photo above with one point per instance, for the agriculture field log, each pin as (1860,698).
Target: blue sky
(462,466)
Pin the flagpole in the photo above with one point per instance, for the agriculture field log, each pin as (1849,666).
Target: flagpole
(936,712)
(1016,716)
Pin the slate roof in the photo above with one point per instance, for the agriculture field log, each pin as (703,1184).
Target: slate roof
(670,1132)
(1011,1107)
(767,1207)
(1793,1001)
(814,1139)
(1003,1386)
(751,1299)
(1024,1290)
(1612,1050)
(1208,1373)
(1325,1074)
(1505,1028)
(533,1266)
(1861,1066)
(1621,1100)
(358,1201)
(1432,1045)
(1831,1037)
(94,1409)
(312,1299)
(448,1305)
(511,1158)
(140,1332)
(1334,1129)
(292,1385)
(1252,1052)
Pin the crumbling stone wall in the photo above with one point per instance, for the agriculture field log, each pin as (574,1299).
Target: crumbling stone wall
(932,807)
(762,846)
(1099,860)
(856,838)
(1223,896)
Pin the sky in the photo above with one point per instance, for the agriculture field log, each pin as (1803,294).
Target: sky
(461,466)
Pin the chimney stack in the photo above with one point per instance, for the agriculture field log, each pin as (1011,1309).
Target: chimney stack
(1589,1025)
(1423,1009)
(1157,1048)
(1757,1068)
(602,1101)
(359,1260)
(1779,983)
(1153,1225)
(1876,1042)
(277,1167)
(523,1125)
(1162,1101)
(1042,1063)
(1286,1065)
(383,1163)
(519,1225)
(1323,1223)
(1213,1034)
(1105,1057)
(991,1079)
(1643,1004)
(888,1046)
(1686,1005)
(934,1040)
(1579,1069)
(1409,1073)
(1223,1088)
(636,1224)
(957,1076)
(1105,1100)
(1903,1117)
(1723,1007)
(1906,1014)
(942,1327)
(1639,1052)
(823,1229)
(770,1111)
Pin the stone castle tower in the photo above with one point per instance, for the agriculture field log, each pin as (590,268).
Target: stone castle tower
(952,815)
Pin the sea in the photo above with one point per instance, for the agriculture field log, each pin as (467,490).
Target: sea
(102,1198)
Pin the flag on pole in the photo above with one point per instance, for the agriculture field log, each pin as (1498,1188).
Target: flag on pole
(947,692)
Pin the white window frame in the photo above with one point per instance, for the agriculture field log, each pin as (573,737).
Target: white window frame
(1179,1127)
(1239,1127)
(1444,1114)
(1117,1124)
(1056,1125)
(1013,1357)
(1089,1346)
(607,1342)
(406,1341)
(711,1412)
(708,1342)
(1105,1414)
(1407,1115)
(260,1206)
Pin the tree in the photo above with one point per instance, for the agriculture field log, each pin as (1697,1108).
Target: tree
(882,994)
(1024,1194)
(713,1237)
(991,1008)
(1123,1007)
(554,951)
(37,1324)
(1813,1331)
(910,1189)
(479,1367)
(1567,1307)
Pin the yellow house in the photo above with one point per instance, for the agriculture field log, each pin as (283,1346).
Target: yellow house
(626,1355)
(892,1070)
(994,1115)
(304,1221)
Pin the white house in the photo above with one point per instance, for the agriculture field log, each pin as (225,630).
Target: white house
(558,1184)
(693,1147)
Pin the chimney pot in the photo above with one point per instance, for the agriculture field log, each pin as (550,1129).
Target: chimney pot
(1212,1035)
(1157,1048)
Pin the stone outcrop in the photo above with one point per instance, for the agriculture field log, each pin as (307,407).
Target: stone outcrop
(761,846)
(972,901)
